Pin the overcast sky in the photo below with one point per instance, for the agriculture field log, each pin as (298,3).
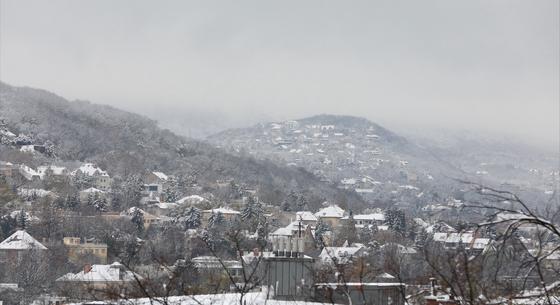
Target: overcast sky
(481,65)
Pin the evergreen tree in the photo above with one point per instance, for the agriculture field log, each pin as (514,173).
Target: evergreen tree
(137,218)
(320,230)
(286,206)
(171,192)
(395,219)
(22,219)
(193,218)
(216,220)
(302,203)
(367,233)
(72,201)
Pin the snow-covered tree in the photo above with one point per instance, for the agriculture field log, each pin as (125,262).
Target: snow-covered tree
(320,230)
(193,218)
(216,220)
(137,218)
(302,203)
(171,193)
(22,219)
(395,219)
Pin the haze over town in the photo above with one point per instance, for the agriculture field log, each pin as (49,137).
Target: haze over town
(476,65)
(279,153)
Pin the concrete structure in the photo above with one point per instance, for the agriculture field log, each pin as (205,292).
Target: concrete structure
(288,272)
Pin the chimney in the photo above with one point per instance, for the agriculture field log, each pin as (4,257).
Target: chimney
(433,284)
(87,268)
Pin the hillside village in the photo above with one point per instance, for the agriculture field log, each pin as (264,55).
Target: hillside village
(355,154)
(74,233)
(143,216)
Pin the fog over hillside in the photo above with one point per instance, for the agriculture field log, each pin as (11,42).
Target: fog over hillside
(295,152)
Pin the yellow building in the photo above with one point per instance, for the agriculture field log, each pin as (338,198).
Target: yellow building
(79,251)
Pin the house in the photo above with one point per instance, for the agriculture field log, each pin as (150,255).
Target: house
(191,200)
(52,170)
(100,281)
(101,179)
(85,194)
(330,215)
(18,244)
(29,173)
(384,290)
(208,265)
(228,214)
(6,169)
(149,219)
(362,220)
(294,236)
(306,218)
(156,178)
(30,194)
(79,250)
(340,255)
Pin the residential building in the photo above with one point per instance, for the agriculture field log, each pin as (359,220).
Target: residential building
(79,250)
(331,215)
(18,244)
(100,281)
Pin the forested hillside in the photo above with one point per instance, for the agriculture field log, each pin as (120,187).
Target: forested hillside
(126,143)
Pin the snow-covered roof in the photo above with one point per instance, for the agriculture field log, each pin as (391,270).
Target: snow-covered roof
(282,232)
(145,214)
(400,248)
(56,170)
(340,253)
(161,175)
(102,273)
(27,148)
(92,190)
(305,216)
(215,262)
(28,217)
(28,172)
(373,217)
(90,169)
(34,192)
(480,243)
(330,211)
(191,199)
(166,205)
(223,211)
(21,240)
(440,237)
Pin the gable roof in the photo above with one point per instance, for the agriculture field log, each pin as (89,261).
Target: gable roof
(161,175)
(305,216)
(102,273)
(331,211)
(21,240)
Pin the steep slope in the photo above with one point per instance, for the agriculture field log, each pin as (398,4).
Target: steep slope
(126,143)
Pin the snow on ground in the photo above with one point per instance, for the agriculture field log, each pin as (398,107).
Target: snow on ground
(251,298)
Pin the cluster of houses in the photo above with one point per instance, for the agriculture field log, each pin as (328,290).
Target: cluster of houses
(286,263)
(353,157)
